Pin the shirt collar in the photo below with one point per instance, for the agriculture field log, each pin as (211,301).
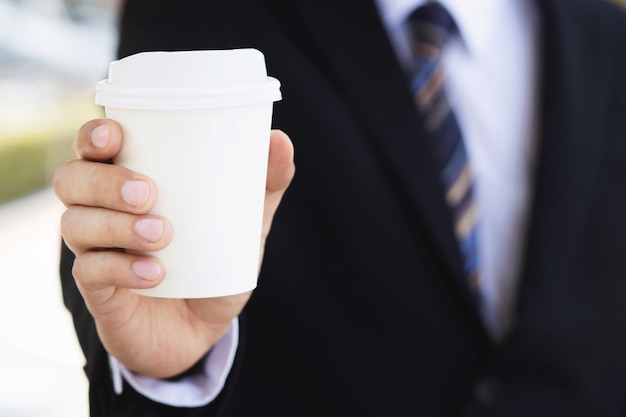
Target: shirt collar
(475,19)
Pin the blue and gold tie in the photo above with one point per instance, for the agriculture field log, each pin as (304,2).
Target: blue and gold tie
(431,26)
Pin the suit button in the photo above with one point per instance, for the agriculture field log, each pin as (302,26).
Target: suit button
(485,391)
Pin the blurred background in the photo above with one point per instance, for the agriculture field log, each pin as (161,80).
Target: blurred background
(52,53)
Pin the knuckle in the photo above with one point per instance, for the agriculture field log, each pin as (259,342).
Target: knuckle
(109,226)
(78,269)
(66,222)
(59,176)
(112,229)
(56,179)
(92,269)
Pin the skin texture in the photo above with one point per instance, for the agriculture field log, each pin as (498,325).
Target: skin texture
(107,208)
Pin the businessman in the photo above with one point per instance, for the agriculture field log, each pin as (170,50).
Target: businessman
(452,243)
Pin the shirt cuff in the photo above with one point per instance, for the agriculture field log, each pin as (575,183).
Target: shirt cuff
(196,390)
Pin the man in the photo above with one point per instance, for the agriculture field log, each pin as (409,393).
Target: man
(363,307)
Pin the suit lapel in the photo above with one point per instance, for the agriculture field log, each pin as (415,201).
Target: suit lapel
(358,53)
(571,141)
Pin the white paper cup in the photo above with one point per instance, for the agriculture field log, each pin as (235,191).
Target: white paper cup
(198,124)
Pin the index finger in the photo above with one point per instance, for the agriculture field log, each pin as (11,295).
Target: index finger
(98,140)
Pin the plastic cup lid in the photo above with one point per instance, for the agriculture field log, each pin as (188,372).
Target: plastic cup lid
(188,80)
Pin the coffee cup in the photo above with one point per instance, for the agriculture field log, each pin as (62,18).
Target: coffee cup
(198,124)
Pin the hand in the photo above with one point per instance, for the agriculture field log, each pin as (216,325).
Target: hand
(107,208)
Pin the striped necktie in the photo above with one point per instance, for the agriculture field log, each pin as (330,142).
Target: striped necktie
(431,26)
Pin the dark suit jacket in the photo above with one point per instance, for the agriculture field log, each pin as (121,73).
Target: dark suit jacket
(358,310)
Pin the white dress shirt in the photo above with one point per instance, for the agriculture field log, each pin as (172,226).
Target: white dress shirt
(492,87)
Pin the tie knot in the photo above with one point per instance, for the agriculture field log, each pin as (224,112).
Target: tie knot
(431,26)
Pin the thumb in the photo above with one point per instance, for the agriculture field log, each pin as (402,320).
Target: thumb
(280,172)
(281,167)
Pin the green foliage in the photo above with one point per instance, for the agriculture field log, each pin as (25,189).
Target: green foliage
(33,143)
(27,163)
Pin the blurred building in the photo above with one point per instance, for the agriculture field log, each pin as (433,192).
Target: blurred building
(70,40)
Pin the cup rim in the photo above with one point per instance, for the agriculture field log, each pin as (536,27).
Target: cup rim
(219,95)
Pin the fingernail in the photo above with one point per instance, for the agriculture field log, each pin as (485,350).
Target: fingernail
(149,229)
(135,192)
(147,270)
(100,136)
